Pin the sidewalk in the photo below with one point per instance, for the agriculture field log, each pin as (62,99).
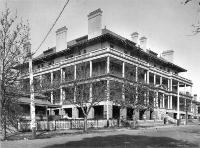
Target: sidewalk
(164,136)
(59,133)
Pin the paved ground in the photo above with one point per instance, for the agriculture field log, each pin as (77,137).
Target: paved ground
(183,137)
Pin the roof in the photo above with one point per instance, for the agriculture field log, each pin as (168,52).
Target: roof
(38,102)
(107,35)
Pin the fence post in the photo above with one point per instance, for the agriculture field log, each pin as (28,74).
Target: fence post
(55,125)
(70,123)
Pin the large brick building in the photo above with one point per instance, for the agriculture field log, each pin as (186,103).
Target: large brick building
(109,58)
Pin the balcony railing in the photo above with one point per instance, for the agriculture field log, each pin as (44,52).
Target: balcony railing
(185,93)
(103,51)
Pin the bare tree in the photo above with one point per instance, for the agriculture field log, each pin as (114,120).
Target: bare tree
(85,93)
(13,36)
(196,25)
(137,96)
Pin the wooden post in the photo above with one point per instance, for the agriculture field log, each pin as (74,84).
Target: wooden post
(47,118)
(178,102)
(32,98)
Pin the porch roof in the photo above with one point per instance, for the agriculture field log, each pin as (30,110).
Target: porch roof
(38,102)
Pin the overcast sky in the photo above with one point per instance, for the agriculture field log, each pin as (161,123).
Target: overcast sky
(166,24)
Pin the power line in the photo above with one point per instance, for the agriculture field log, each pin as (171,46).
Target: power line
(51,27)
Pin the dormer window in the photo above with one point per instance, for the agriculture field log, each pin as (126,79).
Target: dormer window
(84,51)
(111,46)
(125,51)
(51,62)
(40,65)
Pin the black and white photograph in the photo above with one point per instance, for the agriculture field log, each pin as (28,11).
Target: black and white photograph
(99,73)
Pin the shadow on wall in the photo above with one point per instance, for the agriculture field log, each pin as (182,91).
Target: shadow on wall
(126,141)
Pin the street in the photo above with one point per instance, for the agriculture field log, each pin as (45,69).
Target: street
(183,136)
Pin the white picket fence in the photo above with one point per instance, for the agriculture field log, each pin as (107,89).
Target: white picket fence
(79,124)
(66,124)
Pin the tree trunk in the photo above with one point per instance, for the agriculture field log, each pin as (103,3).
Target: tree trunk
(85,124)
(33,133)
(134,119)
(3,127)
(186,117)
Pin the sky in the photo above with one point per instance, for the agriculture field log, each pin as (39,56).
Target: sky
(166,23)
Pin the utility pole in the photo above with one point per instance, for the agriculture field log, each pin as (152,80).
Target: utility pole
(32,105)
(1,72)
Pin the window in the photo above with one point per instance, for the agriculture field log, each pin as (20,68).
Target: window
(40,65)
(111,46)
(125,51)
(84,51)
(51,62)
(69,56)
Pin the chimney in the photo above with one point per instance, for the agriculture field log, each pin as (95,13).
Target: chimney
(95,23)
(143,43)
(134,37)
(168,55)
(195,97)
(61,39)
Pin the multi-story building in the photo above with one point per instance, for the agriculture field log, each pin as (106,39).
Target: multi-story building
(196,107)
(111,57)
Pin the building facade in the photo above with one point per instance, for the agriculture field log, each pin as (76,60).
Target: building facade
(110,58)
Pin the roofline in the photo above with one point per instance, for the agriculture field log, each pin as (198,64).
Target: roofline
(105,37)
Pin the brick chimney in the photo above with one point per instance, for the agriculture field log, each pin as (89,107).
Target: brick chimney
(195,97)
(168,55)
(95,23)
(61,39)
(134,37)
(143,43)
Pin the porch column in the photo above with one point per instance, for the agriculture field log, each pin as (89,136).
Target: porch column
(156,99)
(136,73)
(61,96)
(147,77)
(168,84)
(51,77)
(90,69)
(170,101)
(185,105)
(40,77)
(75,93)
(163,98)
(108,98)
(74,72)
(61,75)
(123,69)
(52,97)
(91,113)
(74,112)
(154,79)
(90,95)
(108,65)
(178,102)
(123,75)
(123,92)
(160,80)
